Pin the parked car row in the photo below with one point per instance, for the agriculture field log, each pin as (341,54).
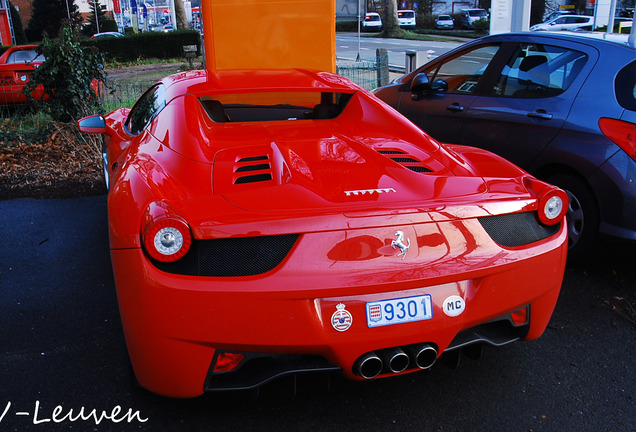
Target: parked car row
(561,106)
(407,20)
(373,21)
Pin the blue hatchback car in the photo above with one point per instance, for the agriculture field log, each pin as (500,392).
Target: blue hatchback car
(561,106)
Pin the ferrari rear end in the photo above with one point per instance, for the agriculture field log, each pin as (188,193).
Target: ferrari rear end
(252,240)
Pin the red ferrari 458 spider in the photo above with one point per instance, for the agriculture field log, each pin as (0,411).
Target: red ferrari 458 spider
(264,223)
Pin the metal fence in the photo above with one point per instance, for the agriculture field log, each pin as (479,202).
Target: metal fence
(368,74)
(122,93)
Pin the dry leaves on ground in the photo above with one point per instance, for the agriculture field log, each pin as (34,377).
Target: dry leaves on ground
(65,164)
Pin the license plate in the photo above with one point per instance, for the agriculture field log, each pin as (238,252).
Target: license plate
(398,311)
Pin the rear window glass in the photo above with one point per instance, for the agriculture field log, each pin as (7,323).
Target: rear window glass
(626,87)
(538,71)
(25,56)
(275,106)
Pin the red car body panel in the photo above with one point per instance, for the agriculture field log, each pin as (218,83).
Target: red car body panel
(333,186)
(14,74)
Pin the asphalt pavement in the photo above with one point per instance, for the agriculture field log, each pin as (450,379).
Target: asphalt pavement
(63,361)
(350,47)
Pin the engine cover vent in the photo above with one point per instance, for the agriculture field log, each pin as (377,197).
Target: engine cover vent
(252,169)
(406,160)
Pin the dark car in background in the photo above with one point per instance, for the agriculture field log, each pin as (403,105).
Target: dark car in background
(561,106)
(469,16)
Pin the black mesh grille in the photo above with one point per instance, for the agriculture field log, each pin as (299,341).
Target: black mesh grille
(253,168)
(253,178)
(406,160)
(244,256)
(253,164)
(418,168)
(253,159)
(517,229)
(388,152)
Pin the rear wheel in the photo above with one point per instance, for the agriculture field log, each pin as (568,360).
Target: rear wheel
(582,216)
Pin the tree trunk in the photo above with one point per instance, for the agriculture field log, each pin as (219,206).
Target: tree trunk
(389,20)
(179,11)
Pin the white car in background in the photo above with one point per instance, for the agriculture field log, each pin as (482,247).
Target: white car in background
(564,22)
(469,16)
(372,22)
(444,22)
(406,19)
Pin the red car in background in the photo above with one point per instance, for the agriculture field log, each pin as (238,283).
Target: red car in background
(16,66)
(265,223)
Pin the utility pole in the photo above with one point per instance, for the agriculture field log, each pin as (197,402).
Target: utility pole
(96,4)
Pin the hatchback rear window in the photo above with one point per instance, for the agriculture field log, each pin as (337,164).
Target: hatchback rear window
(538,71)
(625,86)
(25,56)
(275,106)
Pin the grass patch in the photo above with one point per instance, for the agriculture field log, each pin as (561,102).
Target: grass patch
(429,35)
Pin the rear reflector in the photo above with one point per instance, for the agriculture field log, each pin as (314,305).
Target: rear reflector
(520,317)
(226,362)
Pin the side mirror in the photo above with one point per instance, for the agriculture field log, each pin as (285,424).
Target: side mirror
(94,124)
(420,84)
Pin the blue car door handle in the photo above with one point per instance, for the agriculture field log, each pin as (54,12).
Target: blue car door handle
(455,107)
(540,114)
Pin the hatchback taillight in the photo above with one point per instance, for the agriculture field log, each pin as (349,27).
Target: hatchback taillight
(622,133)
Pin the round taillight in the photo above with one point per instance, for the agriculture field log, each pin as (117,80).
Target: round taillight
(553,206)
(167,240)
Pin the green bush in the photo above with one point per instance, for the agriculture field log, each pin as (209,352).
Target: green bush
(108,25)
(457,19)
(346,26)
(69,76)
(425,21)
(145,45)
(482,26)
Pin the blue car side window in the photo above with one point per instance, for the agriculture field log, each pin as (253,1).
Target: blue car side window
(462,73)
(538,71)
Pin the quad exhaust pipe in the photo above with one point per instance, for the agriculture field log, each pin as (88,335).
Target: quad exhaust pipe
(368,365)
(425,355)
(395,360)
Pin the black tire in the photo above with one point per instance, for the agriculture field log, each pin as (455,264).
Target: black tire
(582,217)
